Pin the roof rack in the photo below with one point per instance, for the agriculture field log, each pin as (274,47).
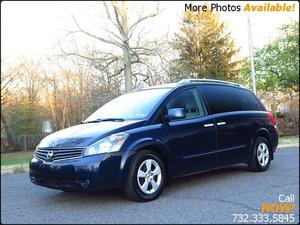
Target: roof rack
(186,81)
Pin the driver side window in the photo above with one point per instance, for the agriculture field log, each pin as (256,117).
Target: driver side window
(190,101)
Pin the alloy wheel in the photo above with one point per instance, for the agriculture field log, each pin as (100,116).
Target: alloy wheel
(149,176)
(263,155)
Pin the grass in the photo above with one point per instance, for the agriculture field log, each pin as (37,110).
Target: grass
(289,140)
(16,158)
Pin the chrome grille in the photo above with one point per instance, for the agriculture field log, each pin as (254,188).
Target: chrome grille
(52,154)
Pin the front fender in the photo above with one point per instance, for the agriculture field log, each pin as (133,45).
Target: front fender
(144,143)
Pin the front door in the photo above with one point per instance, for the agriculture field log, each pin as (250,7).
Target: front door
(192,140)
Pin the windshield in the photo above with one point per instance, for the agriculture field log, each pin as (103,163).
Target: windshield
(131,106)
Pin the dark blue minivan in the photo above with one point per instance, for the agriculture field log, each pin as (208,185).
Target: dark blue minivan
(141,140)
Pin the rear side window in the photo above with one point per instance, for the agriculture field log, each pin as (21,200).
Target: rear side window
(226,99)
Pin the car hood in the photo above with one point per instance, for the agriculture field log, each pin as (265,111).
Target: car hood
(85,134)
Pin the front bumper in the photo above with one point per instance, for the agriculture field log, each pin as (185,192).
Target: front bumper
(98,172)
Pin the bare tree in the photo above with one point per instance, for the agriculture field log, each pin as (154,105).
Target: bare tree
(72,92)
(125,36)
(31,79)
(9,77)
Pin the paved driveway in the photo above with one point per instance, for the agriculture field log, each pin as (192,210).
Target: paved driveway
(210,197)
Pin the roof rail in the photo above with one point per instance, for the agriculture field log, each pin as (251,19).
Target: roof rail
(186,81)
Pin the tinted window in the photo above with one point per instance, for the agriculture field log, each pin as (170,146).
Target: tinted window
(190,101)
(225,99)
(132,106)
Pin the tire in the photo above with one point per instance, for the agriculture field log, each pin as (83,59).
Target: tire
(143,184)
(261,155)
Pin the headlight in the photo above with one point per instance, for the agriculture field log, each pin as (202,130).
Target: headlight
(111,143)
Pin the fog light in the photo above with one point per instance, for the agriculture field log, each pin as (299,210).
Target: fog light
(85,184)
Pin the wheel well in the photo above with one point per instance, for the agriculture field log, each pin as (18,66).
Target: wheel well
(266,136)
(162,155)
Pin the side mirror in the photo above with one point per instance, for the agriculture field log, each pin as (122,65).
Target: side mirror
(176,113)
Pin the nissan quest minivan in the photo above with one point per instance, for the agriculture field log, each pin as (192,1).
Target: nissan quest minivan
(141,140)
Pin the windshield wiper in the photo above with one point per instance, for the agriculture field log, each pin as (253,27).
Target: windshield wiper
(113,119)
(105,119)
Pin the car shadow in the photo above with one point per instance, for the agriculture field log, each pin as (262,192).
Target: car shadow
(207,178)
(213,174)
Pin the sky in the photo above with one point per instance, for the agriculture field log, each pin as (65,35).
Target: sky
(33,28)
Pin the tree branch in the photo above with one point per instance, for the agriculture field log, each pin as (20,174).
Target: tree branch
(144,18)
(115,43)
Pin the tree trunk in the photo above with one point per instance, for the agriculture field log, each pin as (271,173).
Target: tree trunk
(127,70)
(274,107)
(7,131)
(126,48)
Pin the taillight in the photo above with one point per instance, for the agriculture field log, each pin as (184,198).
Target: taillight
(271,118)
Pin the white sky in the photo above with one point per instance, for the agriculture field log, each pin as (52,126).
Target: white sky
(33,28)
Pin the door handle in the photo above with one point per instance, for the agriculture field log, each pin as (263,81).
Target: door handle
(221,123)
(209,125)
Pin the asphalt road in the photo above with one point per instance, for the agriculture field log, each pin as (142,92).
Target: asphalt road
(210,197)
